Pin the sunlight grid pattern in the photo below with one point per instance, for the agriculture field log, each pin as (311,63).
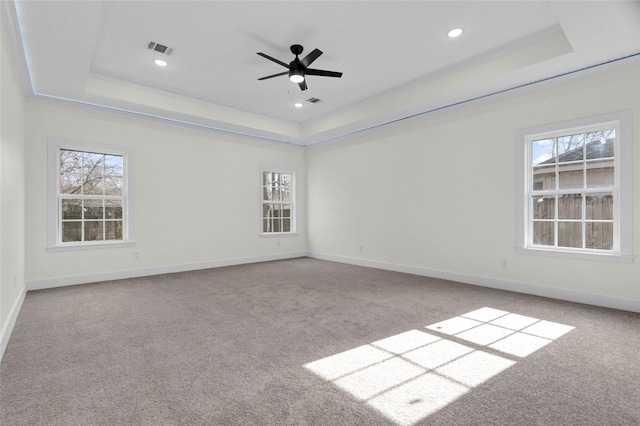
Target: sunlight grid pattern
(408,376)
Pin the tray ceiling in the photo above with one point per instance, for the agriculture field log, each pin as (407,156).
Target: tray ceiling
(396,57)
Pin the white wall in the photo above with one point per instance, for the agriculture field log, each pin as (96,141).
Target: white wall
(196,195)
(433,195)
(12,195)
(436,195)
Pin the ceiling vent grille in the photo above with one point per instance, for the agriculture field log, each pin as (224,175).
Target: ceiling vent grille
(314,100)
(152,45)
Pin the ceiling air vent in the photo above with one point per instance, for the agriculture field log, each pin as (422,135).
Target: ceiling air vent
(152,45)
(314,100)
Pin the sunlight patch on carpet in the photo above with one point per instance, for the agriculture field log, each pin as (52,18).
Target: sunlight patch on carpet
(411,375)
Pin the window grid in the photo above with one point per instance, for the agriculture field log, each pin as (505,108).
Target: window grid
(91,198)
(579,214)
(277,202)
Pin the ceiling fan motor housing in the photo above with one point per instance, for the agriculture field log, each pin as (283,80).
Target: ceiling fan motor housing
(296,68)
(296,49)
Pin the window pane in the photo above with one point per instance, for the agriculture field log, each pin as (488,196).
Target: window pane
(600,174)
(93,209)
(544,178)
(286,192)
(71,231)
(600,144)
(113,165)
(599,207)
(266,193)
(70,183)
(92,163)
(267,178)
(571,176)
(277,209)
(113,185)
(70,161)
(543,233)
(266,210)
(599,235)
(113,230)
(570,148)
(542,152)
(93,173)
(570,206)
(276,192)
(275,225)
(71,209)
(570,234)
(113,209)
(93,185)
(544,207)
(93,231)
(285,185)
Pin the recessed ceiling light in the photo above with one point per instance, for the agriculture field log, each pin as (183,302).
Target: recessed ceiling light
(161,62)
(298,105)
(454,33)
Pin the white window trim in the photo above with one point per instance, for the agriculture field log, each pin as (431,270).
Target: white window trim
(294,226)
(54,242)
(623,221)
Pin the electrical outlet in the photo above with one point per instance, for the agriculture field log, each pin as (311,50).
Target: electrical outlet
(361,248)
(15,280)
(504,264)
(136,255)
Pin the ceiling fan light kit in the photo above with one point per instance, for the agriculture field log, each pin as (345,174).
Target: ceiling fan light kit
(296,76)
(298,69)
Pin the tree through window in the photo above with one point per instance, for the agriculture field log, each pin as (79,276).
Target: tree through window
(277,202)
(91,196)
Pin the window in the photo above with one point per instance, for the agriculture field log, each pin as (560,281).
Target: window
(577,196)
(278,215)
(88,194)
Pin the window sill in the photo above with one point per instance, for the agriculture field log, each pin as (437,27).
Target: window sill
(278,234)
(91,246)
(603,256)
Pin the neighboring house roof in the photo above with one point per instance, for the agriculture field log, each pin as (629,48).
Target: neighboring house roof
(595,149)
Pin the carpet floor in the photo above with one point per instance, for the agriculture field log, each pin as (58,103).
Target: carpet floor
(310,342)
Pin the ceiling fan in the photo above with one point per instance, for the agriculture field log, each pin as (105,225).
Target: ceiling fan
(298,69)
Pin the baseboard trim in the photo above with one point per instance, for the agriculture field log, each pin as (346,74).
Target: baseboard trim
(606,301)
(7,329)
(157,270)
(595,299)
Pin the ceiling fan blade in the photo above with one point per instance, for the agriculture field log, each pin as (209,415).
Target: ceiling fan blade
(274,75)
(274,59)
(323,73)
(303,85)
(311,57)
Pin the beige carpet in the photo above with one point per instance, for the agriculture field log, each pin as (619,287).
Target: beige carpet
(309,342)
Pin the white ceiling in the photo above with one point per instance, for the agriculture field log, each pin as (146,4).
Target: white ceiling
(396,58)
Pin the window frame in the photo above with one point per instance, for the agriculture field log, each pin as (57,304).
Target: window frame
(54,221)
(621,190)
(292,201)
